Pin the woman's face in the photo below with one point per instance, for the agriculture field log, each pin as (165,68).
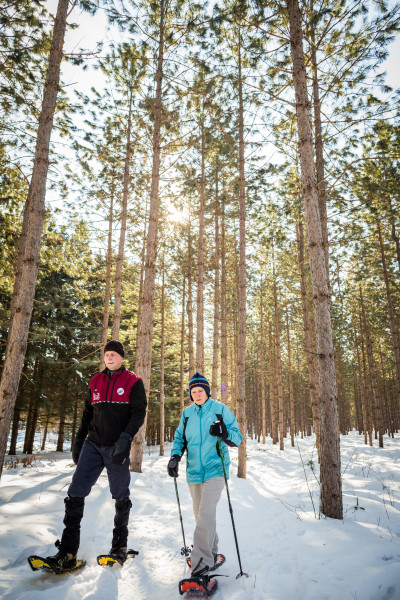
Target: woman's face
(199,395)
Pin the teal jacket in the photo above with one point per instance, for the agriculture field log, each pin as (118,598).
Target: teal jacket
(193,434)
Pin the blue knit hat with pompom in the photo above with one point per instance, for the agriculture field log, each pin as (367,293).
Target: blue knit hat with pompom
(199,381)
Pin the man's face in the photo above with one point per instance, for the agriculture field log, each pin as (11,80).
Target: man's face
(113,360)
(199,395)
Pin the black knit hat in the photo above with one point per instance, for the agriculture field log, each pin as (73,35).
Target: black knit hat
(114,346)
(199,381)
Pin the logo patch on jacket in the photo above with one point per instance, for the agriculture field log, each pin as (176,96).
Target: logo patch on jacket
(96,396)
(120,391)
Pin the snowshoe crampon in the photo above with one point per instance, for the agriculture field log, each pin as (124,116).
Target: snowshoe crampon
(38,563)
(200,586)
(109,560)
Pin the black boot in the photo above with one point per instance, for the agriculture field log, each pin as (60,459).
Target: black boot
(119,542)
(68,547)
(62,560)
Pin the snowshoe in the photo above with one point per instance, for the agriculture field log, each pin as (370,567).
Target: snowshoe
(198,586)
(219,560)
(60,563)
(39,563)
(117,557)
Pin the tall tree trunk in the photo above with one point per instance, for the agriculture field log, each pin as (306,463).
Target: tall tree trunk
(241,362)
(124,216)
(60,438)
(32,430)
(214,379)
(331,483)
(140,299)
(368,410)
(144,350)
(28,424)
(224,332)
(262,369)
(46,428)
(30,421)
(29,248)
(379,429)
(272,396)
(14,431)
(309,339)
(319,149)
(392,321)
(282,428)
(162,360)
(394,235)
(182,365)
(291,397)
(362,394)
(74,421)
(107,292)
(189,309)
(200,265)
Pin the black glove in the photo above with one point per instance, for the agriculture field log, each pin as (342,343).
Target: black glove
(121,449)
(173,465)
(218,429)
(76,449)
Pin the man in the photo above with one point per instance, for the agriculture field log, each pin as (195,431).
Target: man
(114,411)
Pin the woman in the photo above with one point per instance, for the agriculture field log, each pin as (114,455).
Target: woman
(201,426)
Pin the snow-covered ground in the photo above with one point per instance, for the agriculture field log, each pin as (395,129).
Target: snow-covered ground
(287,551)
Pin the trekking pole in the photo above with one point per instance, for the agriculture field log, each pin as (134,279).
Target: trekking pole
(230,510)
(185,550)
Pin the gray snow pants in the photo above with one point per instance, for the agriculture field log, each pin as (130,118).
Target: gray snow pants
(205,498)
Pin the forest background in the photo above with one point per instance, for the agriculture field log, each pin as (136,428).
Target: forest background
(217,84)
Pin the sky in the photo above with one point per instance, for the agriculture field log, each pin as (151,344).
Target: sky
(93,29)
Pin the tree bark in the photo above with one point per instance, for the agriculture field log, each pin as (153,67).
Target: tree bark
(200,266)
(189,309)
(241,360)
(282,429)
(319,151)
(262,369)
(372,370)
(162,359)
(46,427)
(291,397)
(182,365)
(74,421)
(144,350)
(124,216)
(224,332)
(107,293)
(331,483)
(273,403)
(362,394)
(14,431)
(29,248)
(214,378)
(140,299)
(309,339)
(392,321)
(60,438)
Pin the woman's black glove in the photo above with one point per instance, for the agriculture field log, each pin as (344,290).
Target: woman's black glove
(218,429)
(173,465)
(121,449)
(76,449)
